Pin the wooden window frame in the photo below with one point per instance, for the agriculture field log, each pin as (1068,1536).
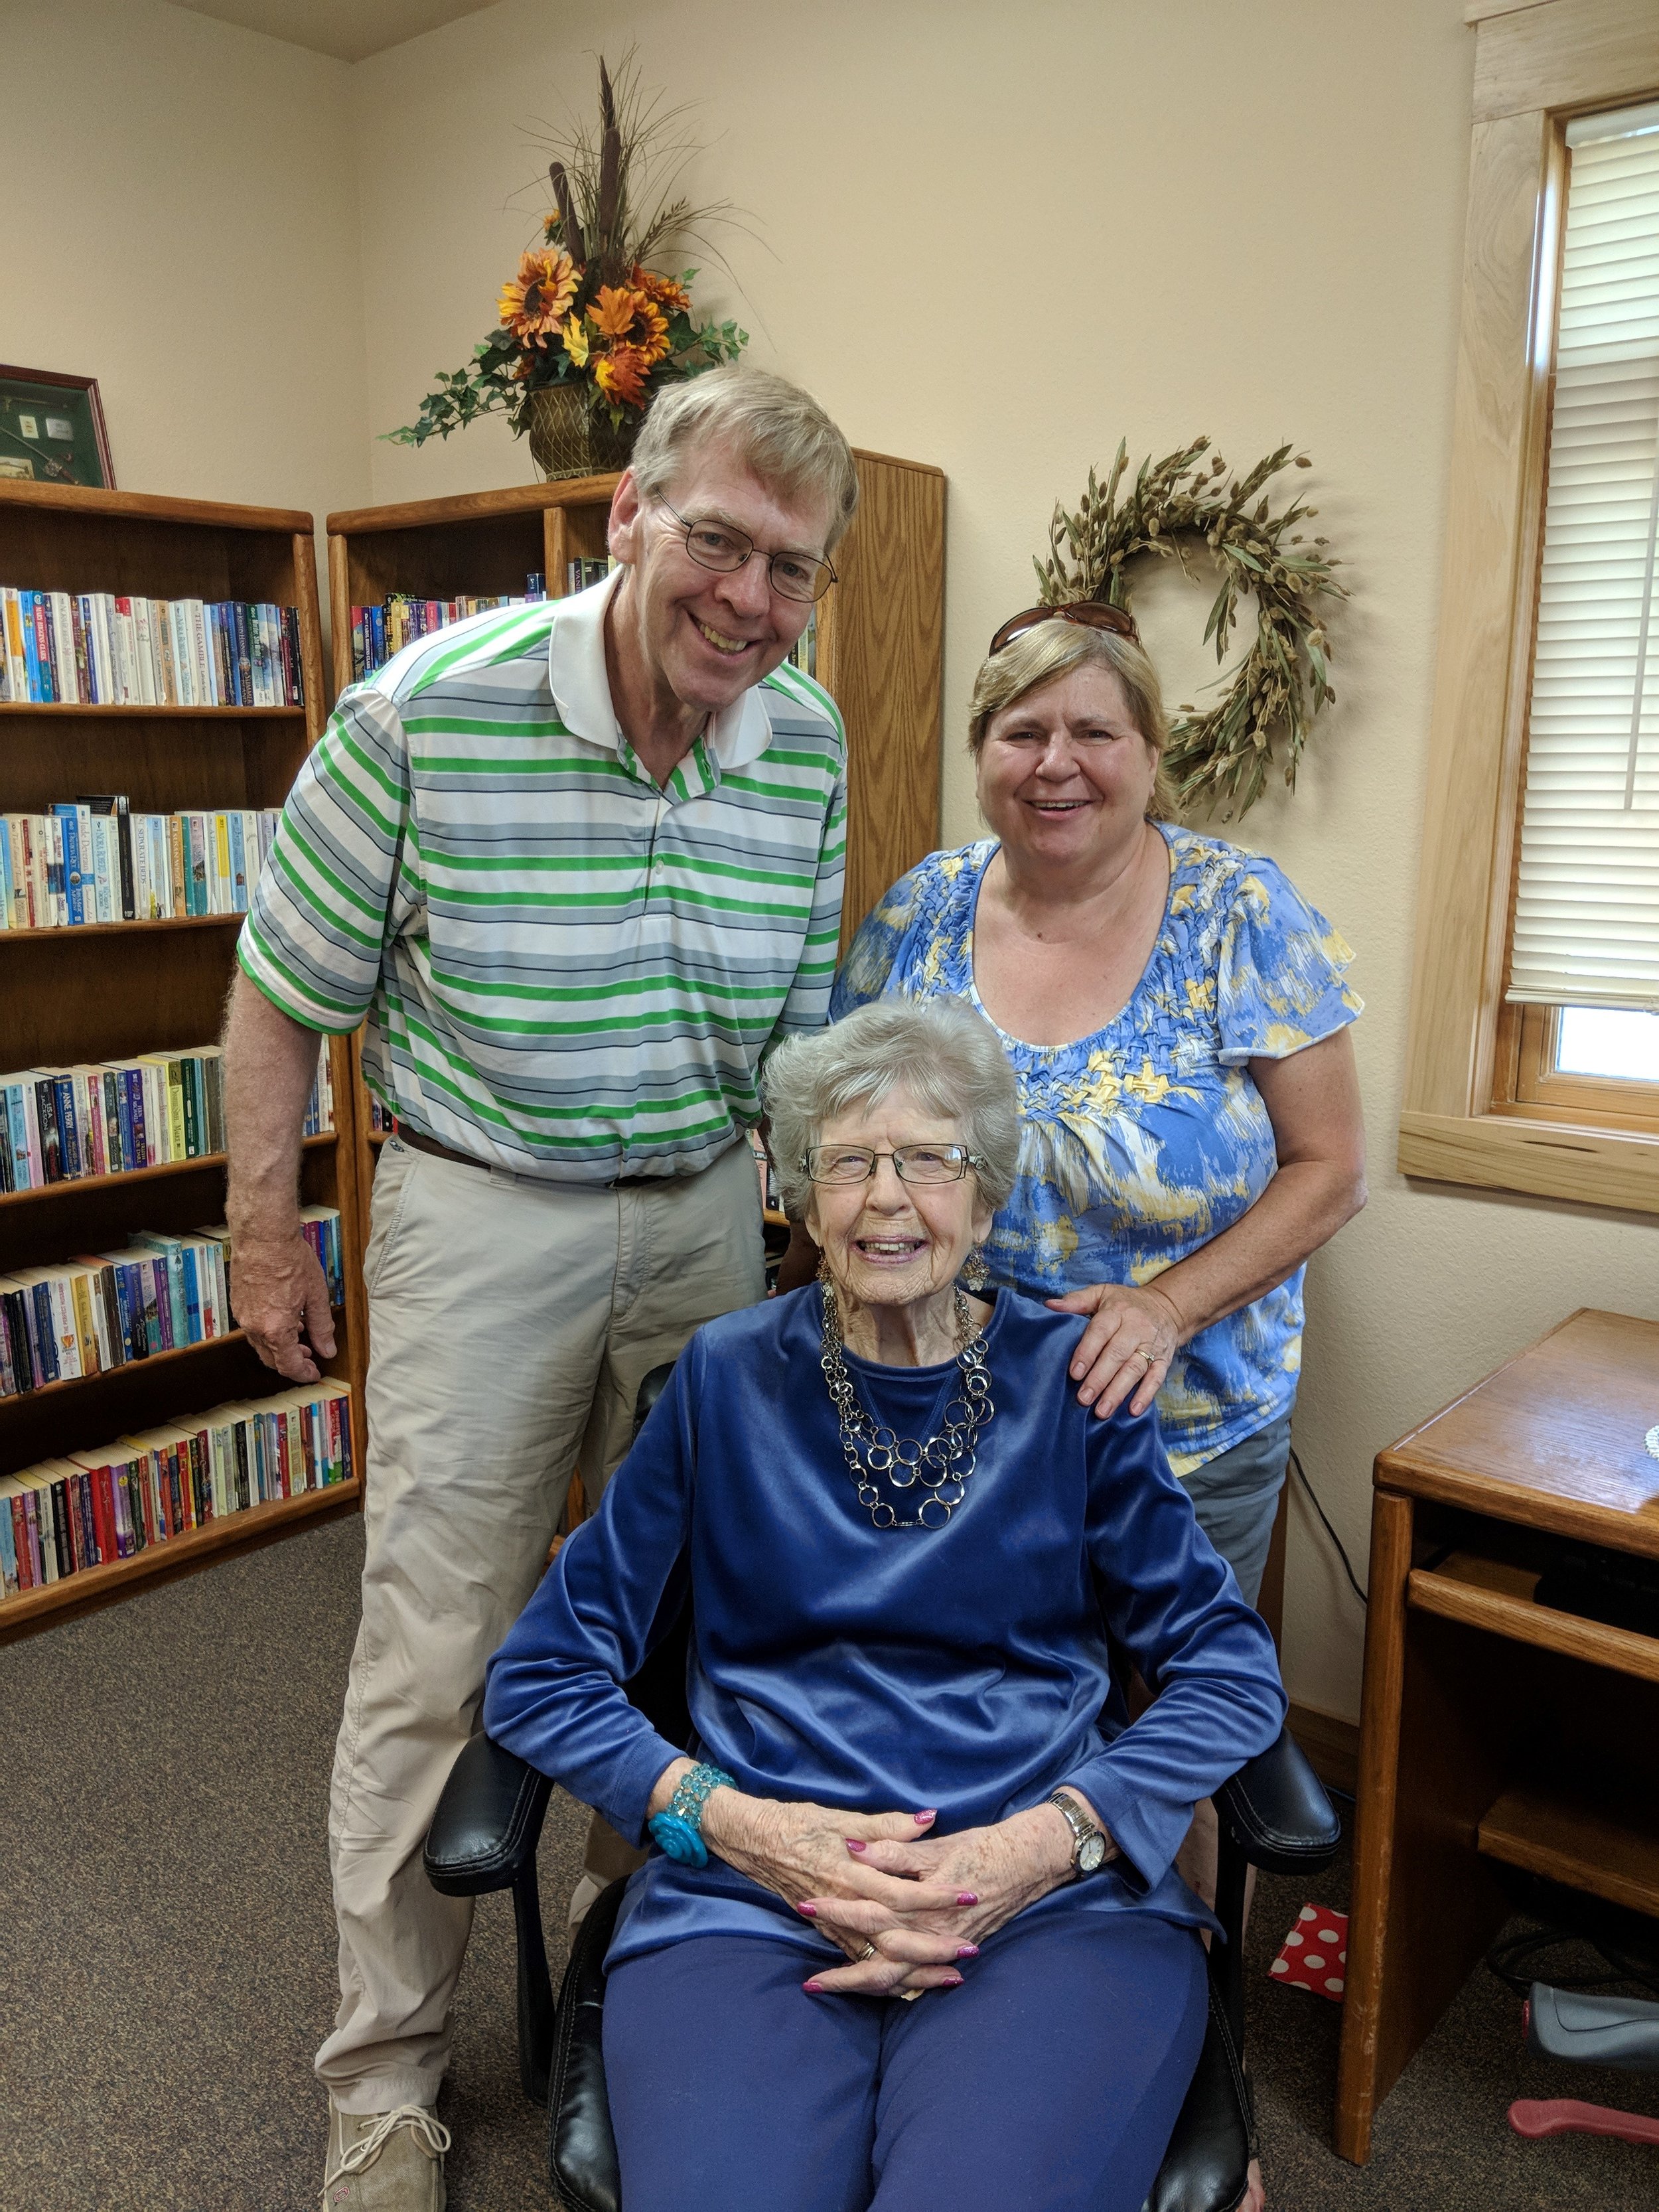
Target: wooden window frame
(1482,1103)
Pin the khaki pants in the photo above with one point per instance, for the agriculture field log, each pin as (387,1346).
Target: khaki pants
(511,1323)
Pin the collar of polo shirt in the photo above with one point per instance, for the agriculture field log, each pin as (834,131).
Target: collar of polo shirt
(581,687)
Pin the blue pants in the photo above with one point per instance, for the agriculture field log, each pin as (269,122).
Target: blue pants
(1048,2082)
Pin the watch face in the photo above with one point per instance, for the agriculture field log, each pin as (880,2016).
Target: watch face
(1092,1854)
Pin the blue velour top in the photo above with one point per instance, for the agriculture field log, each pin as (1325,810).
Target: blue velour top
(966,1668)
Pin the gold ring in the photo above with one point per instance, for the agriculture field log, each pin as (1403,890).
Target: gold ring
(868,1951)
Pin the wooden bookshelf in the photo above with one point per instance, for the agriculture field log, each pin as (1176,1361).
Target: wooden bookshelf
(880,630)
(108,991)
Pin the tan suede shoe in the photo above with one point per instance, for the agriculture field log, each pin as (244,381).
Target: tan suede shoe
(385,2161)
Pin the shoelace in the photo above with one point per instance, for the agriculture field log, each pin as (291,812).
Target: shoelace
(435,2136)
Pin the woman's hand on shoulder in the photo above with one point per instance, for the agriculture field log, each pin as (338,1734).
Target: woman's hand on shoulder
(988,1874)
(822,1861)
(1125,1351)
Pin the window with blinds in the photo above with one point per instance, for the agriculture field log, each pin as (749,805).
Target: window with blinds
(1586,930)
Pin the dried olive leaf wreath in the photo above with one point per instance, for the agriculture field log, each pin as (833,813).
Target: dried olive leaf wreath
(1220,758)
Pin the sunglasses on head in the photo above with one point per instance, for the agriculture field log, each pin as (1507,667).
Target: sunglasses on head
(1087,614)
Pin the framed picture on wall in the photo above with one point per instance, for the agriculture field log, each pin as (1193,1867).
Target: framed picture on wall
(51,429)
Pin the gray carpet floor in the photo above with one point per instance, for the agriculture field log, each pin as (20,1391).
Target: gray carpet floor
(167,1968)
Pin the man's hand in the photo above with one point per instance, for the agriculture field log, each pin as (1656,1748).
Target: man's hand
(279,1294)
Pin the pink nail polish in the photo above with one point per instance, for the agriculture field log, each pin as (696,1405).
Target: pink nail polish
(920,1819)
(854,1844)
(967,1950)
(967,1897)
(813,1989)
(954,1982)
(808,1911)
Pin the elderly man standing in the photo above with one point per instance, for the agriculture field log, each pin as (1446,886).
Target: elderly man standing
(579,864)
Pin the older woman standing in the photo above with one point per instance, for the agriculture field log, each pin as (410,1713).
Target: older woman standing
(1177,1016)
(905,1546)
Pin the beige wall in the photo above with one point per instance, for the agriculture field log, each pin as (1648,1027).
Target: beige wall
(994,240)
(1000,242)
(178,219)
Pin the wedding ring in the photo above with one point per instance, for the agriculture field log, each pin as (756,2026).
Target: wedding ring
(868,1951)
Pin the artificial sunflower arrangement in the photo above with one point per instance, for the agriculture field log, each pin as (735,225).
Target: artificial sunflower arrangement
(587,331)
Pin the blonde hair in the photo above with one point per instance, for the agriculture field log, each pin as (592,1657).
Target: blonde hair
(779,432)
(1053,649)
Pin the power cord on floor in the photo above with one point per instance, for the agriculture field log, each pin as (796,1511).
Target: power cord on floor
(1341,1552)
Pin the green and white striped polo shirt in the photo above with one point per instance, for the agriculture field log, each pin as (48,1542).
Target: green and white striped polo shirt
(566,970)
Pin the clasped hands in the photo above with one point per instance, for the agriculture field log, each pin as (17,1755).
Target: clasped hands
(925,1902)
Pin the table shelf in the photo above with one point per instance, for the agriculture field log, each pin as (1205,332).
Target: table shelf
(1498,1597)
(1598,1843)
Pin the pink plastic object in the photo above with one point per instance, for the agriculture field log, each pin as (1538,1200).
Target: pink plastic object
(1564,2115)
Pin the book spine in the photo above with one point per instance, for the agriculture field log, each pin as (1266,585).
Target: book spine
(122,833)
(86,688)
(68,818)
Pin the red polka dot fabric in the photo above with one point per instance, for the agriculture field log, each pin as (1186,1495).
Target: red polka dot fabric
(1314,1954)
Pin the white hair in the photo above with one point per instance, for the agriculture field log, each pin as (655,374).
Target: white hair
(937,1051)
(779,432)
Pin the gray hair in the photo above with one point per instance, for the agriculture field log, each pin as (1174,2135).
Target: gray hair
(937,1051)
(780,433)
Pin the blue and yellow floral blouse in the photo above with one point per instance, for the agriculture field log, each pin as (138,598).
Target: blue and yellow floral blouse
(1147,1138)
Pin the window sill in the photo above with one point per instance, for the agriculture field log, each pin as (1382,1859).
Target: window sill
(1545,1159)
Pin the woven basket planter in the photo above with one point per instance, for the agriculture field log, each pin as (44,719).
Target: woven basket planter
(568,439)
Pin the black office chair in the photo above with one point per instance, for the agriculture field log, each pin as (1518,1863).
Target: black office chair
(1274,1814)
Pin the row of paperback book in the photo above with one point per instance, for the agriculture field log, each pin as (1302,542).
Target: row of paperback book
(103,649)
(378,632)
(91,1508)
(92,861)
(64,1124)
(581,573)
(89,1316)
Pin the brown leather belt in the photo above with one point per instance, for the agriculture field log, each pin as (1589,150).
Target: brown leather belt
(417,1142)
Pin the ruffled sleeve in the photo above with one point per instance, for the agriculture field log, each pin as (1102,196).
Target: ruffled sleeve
(1279,984)
(866,972)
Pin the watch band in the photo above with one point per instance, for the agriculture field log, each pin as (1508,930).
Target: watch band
(677,1829)
(1091,1847)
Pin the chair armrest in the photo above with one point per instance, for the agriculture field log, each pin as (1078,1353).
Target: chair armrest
(1278,1813)
(488,1821)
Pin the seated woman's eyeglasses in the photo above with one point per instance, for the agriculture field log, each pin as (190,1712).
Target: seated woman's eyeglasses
(725,549)
(911,1162)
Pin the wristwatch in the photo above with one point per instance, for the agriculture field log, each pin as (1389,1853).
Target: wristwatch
(1091,1847)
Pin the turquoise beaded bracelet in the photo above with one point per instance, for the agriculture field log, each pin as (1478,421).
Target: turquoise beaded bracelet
(677,1829)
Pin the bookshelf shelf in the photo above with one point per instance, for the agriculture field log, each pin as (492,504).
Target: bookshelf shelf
(156,986)
(81,1185)
(66,712)
(129,1368)
(237,1532)
(120,928)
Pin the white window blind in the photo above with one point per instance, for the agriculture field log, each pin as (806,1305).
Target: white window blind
(1587,906)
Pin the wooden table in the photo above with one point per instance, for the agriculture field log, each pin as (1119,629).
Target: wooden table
(1495,1729)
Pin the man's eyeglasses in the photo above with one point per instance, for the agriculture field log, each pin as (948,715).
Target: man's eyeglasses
(1087,614)
(911,1162)
(725,549)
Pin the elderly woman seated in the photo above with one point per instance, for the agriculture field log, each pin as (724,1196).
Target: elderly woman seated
(919,1571)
